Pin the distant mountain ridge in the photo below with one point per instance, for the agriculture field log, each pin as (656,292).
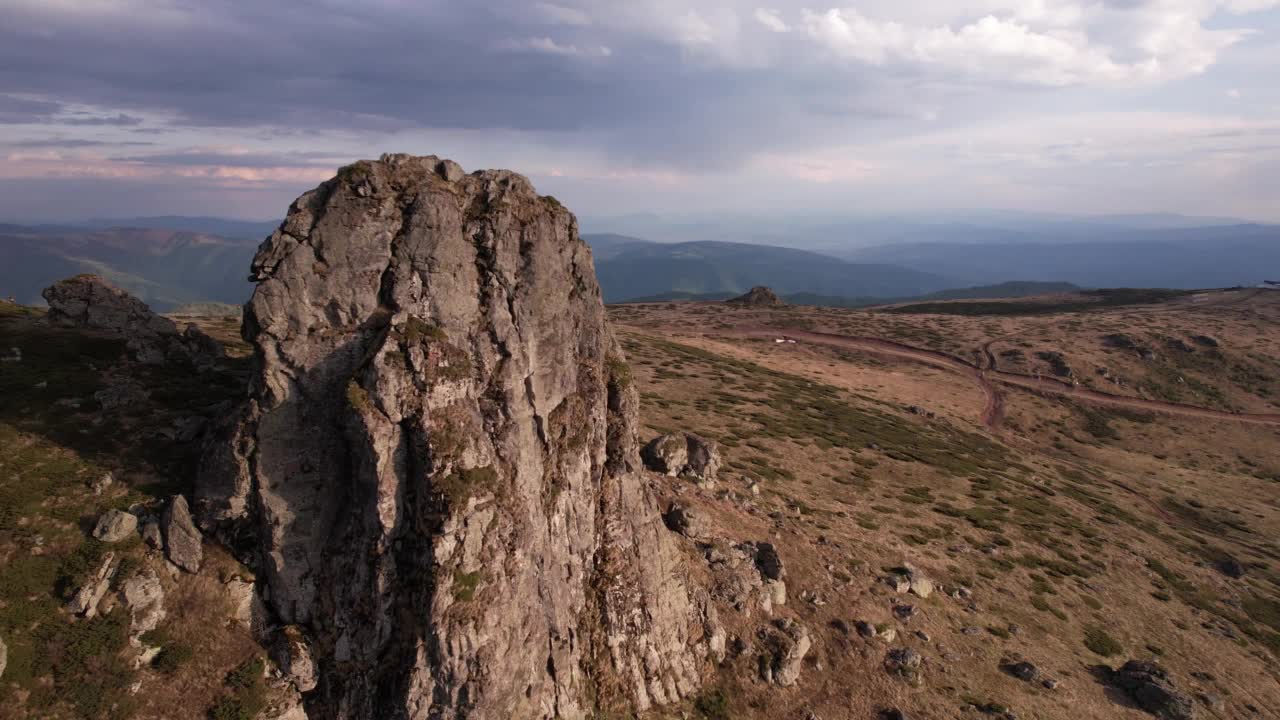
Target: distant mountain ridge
(1186,258)
(630,268)
(165,268)
(170,261)
(1016,289)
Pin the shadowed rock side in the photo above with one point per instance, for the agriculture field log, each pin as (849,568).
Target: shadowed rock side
(436,475)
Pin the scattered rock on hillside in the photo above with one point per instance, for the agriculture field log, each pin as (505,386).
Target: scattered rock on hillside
(144,596)
(89,301)
(759,296)
(786,642)
(686,521)
(739,580)
(1153,690)
(1205,340)
(769,561)
(1120,341)
(115,526)
(908,578)
(904,663)
(1229,566)
(101,483)
(1022,670)
(151,534)
(85,602)
(683,454)
(182,544)
(440,413)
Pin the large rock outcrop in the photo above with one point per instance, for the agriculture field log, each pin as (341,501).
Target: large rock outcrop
(88,301)
(437,476)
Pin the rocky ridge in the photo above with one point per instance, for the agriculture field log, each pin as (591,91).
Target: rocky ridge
(437,478)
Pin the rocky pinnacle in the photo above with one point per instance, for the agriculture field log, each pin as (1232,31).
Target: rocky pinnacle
(436,475)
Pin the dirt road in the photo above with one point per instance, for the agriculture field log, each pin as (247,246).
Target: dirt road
(987,378)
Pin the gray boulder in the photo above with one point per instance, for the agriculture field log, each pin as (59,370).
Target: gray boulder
(85,602)
(442,427)
(182,542)
(786,642)
(686,521)
(143,595)
(904,663)
(683,454)
(1151,687)
(115,526)
(4,657)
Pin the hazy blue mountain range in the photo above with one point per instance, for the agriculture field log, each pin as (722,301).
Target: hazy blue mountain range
(835,234)
(165,268)
(1001,290)
(1197,257)
(254,230)
(171,261)
(630,268)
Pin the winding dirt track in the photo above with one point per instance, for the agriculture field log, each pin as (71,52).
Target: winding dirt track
(987,378)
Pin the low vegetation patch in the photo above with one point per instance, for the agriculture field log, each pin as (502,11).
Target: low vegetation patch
(1099,641)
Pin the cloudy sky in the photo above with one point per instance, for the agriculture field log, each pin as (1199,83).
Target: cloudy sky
(233,107)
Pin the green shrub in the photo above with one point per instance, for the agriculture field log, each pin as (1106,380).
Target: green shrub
(1100,642)
(172,657)
(248,696)
(84,659)
(713,705)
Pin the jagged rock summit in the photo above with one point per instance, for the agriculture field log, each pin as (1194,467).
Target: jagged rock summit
(437,477)
(759,296)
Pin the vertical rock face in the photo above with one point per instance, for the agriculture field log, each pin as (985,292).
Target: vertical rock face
(437,475)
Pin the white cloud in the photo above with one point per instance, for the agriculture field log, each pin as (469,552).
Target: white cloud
(550,47)
(1067,44)
(561,15)
(771,20)
(1241,7)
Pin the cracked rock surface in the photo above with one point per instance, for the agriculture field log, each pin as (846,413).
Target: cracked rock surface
(436,477)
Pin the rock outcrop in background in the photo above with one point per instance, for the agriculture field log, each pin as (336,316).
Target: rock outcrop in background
(436,476)
(90,302)
(759,296)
